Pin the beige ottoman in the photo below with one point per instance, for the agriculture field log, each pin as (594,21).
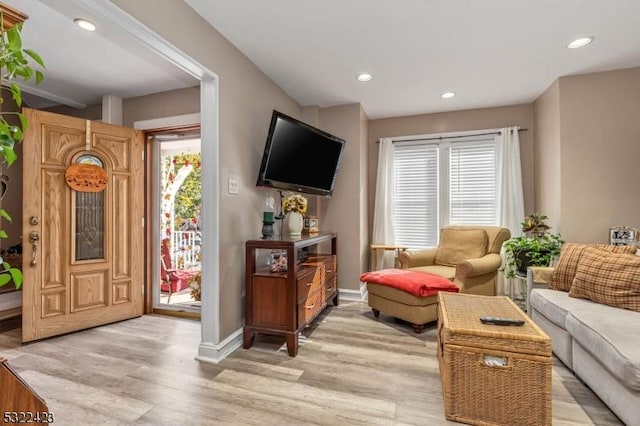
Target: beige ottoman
(399,304)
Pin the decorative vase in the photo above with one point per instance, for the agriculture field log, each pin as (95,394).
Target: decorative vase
(294,223)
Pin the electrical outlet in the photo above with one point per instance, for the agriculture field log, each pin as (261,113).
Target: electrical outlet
(233,186)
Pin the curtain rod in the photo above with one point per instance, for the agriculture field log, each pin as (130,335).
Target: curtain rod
(450,137)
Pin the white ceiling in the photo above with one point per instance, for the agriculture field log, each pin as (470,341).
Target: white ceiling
(490,52)
(83,66)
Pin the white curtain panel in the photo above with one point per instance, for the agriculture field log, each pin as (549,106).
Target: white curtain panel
(384,202)
(510,194)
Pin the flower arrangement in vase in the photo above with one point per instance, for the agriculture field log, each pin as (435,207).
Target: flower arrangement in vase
(295,206)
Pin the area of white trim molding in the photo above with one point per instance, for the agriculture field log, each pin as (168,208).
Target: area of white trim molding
(174,121)
(210,348)
(215,353)
(345,295)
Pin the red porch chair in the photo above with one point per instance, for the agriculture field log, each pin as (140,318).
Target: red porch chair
(172,279)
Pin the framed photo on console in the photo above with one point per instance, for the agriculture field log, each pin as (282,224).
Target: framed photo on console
(311,225)
(623,236)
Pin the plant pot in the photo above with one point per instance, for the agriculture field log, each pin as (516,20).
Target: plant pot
(524,261)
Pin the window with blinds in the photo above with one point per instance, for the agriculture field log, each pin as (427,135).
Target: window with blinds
(444,183)
(416,195)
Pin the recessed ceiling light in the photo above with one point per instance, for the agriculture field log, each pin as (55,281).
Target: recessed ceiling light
(85,25)
(447,95)
(579,42)
(364,77)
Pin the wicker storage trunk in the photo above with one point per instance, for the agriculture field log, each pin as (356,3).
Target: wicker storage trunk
(492,375)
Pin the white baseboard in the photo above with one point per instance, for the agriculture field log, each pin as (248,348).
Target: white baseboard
(353,295)
(214,353)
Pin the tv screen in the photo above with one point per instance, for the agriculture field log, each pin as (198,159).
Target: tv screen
(298,157)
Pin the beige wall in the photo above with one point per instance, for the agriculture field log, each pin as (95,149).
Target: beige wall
(600,153)
(547,155)
(247,98)
(475,119)
(342,212)
(164,104)
(92,112)
(157,105)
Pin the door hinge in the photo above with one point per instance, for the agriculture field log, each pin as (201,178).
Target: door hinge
(143,222)
(142,156)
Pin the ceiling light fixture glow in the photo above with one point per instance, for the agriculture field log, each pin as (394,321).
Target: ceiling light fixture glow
(364,77)
(580,42)
(85,25)
(447,95)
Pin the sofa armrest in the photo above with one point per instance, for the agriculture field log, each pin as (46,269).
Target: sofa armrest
(479,266)
(411,259)
(537,277)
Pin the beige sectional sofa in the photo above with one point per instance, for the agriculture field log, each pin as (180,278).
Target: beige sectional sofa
(600,343)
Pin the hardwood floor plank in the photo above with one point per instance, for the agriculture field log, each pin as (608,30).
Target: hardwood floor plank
(90,398)
(67,413)
(351,369)
(330,399)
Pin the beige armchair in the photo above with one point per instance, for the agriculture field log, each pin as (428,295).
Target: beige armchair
(467,255)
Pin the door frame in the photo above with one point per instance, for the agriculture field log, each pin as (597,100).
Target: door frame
(211,349)
(152,238)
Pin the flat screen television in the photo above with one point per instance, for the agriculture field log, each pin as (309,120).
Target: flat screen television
(298,157)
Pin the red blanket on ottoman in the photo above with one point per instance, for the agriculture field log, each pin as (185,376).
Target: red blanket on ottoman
(420,284)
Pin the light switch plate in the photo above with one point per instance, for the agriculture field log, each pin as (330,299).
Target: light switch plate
(233,186)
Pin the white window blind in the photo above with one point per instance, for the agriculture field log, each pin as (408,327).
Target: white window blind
(416,196)
(472,184)
(443,183)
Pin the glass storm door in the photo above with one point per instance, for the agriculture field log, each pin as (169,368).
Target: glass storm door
(177,196)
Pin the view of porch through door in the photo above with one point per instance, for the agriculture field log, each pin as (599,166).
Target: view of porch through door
(177,176)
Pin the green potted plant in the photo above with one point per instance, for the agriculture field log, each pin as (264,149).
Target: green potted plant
(536,248)
(15,63)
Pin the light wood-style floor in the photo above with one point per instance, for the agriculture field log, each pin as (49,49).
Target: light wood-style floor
(351,369)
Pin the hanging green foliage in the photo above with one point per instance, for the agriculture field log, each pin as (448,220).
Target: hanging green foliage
(16,64)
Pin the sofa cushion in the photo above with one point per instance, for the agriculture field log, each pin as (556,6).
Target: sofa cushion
(607,333)
(608,278)
(565,269)
(555,305)
(457,245)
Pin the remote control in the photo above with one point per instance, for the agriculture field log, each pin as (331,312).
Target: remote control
(501,321)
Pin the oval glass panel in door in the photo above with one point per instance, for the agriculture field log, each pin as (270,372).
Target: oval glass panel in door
(90,218)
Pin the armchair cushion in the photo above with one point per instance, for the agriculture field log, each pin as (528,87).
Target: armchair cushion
(608,278)
(458,244)
(570,254)
(448,272)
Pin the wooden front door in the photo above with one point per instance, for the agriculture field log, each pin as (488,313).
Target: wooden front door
(83,251)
